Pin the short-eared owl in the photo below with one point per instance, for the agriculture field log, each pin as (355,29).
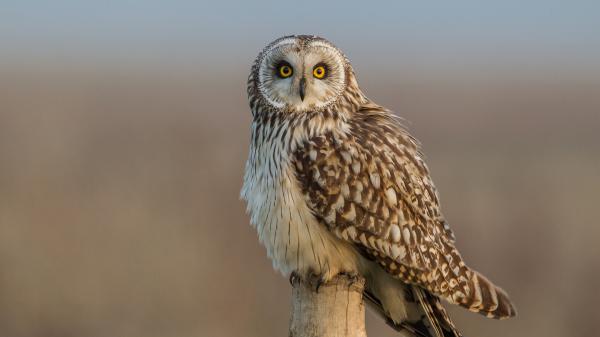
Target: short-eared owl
(335,184)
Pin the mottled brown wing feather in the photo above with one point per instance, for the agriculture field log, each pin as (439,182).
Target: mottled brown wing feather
(371,187)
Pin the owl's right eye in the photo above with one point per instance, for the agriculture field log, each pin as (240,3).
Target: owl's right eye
(284,70)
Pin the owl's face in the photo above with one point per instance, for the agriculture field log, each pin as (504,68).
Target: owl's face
(301,73)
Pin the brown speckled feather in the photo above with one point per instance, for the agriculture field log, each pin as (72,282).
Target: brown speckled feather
(370,186)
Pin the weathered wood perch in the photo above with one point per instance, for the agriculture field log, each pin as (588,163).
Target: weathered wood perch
(336,309)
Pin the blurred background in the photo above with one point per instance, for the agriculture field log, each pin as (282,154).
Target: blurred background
(124,130)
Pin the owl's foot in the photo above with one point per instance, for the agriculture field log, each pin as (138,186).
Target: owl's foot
(314,279)
(318,280)
(353,277)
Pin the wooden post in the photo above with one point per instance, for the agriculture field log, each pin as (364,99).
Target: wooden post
(337,309)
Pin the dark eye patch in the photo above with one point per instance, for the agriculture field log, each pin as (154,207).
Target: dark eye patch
(280,65)
(323,70)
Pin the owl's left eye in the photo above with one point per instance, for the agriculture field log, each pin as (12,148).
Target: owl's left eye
(320,71)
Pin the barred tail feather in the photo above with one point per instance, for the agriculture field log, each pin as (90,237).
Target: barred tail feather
(433,320)
(375,304)
(438,322)
(488,299)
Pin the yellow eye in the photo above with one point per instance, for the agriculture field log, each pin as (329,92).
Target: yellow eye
(285,71)
(319,72)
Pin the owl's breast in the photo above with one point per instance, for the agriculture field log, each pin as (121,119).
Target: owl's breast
(294,238)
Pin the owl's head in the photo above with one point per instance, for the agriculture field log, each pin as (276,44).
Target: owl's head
(300,73)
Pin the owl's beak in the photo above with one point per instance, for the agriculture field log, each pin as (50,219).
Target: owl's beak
(302,88)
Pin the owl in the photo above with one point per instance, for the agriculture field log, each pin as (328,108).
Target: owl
(335,184)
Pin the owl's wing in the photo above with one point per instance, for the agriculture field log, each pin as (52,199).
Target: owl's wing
(372,188)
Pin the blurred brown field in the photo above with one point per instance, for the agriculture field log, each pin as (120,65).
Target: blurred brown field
(120,216)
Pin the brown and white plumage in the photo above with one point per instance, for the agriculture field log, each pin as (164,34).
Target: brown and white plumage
(335,183)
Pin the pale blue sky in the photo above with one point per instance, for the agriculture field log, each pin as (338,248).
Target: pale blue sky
(549,31)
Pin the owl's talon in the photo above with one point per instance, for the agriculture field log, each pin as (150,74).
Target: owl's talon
(320,282)
(317,280)
(293,278)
